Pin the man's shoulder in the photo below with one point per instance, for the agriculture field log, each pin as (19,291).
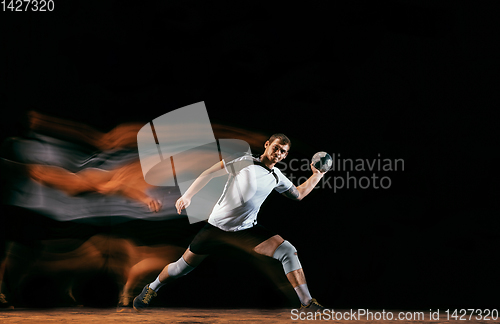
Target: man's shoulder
(244,156)
(277,170)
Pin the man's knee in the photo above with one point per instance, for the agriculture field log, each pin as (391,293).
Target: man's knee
(287,255)
(269,246)
(179,268)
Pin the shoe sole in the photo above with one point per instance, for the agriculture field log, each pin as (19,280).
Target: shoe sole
(136,309)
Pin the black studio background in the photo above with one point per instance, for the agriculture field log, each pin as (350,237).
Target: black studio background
(406,79)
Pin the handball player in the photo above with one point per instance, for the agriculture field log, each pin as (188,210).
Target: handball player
(238,226)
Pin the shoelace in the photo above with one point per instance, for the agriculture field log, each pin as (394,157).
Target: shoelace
(313,301)
(150,294)
(3,300)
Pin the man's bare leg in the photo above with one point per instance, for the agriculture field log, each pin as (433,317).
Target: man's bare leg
(296,277)
(181,267)
(268,247)
(191,259)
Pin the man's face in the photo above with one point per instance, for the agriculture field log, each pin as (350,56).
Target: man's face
(276,151)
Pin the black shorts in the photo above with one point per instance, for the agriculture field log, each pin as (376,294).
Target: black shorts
(210,239)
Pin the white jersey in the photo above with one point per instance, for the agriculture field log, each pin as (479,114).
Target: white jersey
(248,185)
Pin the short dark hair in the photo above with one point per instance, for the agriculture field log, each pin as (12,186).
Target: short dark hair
(282,138)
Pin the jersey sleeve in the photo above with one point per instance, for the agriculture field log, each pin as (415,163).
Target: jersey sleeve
(283,182)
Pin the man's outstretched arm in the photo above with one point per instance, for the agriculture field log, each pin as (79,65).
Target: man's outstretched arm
(214,171)
(298,193)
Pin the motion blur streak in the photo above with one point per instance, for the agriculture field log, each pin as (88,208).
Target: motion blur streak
(106,231)
(70,171)
(95,271)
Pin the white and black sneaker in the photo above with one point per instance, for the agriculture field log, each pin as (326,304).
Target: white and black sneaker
(142,301)
(313,306)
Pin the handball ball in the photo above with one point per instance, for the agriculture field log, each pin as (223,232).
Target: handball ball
(322,161)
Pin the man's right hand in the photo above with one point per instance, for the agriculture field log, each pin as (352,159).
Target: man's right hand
(182,203)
